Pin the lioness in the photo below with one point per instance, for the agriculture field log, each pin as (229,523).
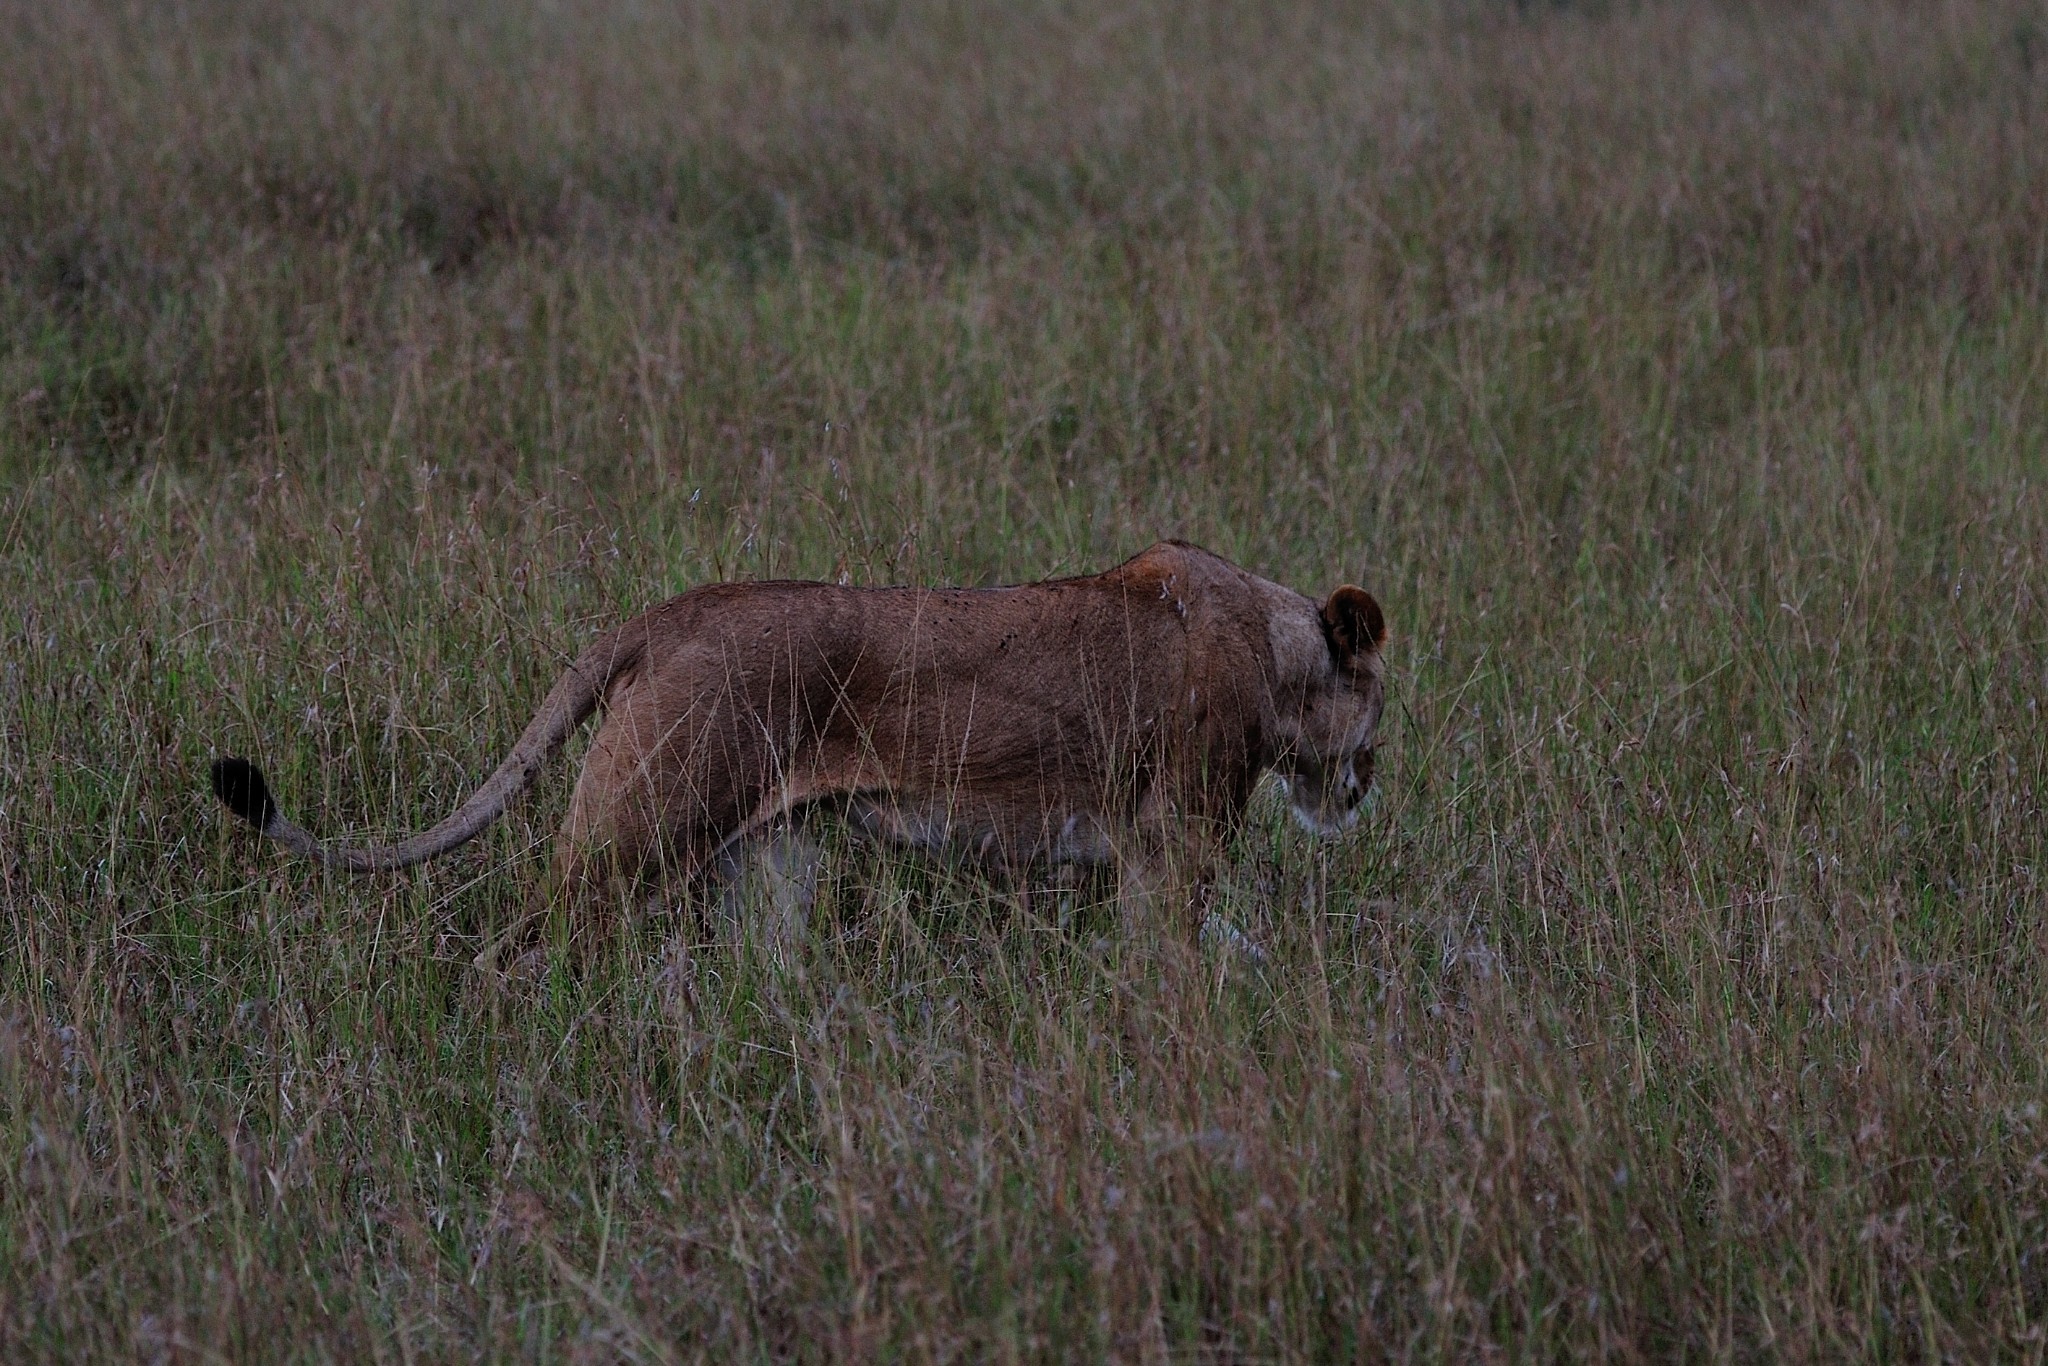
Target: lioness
(1123,717)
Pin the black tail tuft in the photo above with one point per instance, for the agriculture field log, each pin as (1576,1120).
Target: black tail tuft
(240,784)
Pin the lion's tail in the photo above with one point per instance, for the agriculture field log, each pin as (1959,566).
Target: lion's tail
(240,783)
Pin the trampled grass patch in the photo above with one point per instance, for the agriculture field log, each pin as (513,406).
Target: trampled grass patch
(1672,373)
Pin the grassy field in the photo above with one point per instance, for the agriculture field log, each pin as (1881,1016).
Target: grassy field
(1676,374)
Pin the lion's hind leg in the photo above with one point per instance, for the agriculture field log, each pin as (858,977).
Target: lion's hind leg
(767,883)
(638,826)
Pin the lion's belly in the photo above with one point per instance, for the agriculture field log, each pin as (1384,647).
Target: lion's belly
(985,834)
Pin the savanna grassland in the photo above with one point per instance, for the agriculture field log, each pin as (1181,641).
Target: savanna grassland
(1676,374)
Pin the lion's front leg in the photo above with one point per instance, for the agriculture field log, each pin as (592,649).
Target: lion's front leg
(1176,863)
(1167,864)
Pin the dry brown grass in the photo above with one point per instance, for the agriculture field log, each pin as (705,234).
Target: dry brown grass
(1673,373)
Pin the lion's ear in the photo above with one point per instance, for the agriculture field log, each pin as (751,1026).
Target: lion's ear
(1354,623)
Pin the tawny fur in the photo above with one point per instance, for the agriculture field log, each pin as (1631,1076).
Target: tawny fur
(1119,717)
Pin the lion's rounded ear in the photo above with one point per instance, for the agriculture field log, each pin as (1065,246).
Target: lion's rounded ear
(1354,623)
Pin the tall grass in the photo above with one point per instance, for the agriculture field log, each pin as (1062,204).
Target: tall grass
(1673,373)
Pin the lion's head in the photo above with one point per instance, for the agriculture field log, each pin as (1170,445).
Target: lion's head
(1325,759)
